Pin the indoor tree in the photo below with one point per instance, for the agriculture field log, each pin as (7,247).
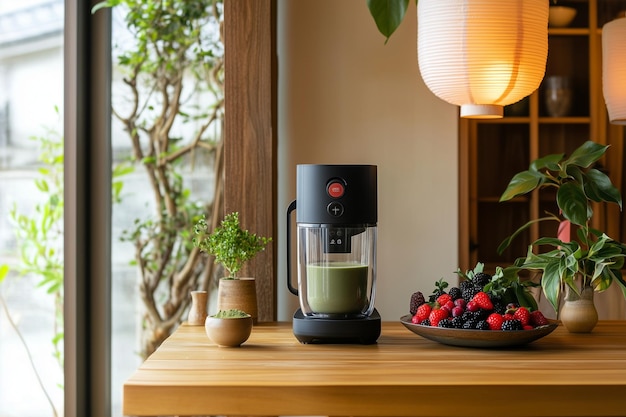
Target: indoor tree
(172,111)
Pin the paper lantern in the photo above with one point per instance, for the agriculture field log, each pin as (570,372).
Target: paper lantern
(614,69)
(482,54)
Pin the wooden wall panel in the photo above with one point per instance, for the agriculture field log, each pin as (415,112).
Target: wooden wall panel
(249,144)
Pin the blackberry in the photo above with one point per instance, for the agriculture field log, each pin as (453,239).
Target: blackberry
(457,322)
(481,279)
(470,324)
(447,323)
(480,314)
(467,315)
(498,305)
(425,322)
(417,299)
(482,325)
(468,291)
(465,284)
(455,293)
(514,324)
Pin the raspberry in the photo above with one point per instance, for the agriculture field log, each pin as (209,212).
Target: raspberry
(483,301)
(422,313)
(443,299)
(436,316)
(523,315)
(448,306)
(538,319)
(495,321)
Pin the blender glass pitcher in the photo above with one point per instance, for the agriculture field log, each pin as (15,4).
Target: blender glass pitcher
(336,270)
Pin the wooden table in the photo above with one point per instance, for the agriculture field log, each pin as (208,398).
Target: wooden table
(403,374)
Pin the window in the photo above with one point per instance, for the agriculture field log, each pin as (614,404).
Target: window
(83,74)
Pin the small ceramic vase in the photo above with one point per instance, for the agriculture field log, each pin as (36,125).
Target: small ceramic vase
(579,314)
(198,309)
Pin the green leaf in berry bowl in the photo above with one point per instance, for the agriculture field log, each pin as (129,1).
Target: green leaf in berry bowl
(479,338)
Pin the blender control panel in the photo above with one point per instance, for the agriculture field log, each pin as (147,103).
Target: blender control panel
(337,240)
(336,188)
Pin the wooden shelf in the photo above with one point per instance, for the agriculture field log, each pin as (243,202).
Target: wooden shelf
(492,151)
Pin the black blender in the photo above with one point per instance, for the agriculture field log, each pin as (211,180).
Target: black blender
(336,243)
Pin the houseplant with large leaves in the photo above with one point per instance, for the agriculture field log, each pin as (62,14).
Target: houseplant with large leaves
(592,261)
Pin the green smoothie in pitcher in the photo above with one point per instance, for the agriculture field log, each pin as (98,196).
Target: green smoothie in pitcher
(337,288)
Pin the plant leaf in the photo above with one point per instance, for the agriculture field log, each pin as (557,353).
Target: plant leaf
(524,297)
(550,162)
(522,183)
(388,14)
(598,187)
(551,283)
(572,201)
(586,154)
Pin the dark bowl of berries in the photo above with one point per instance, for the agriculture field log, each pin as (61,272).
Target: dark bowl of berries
(483,311)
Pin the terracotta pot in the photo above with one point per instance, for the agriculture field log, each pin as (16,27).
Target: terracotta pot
(228,332)
(238,294)
(198,309)
(578,313)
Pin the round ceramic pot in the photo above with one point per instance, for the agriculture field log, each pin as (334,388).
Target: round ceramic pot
(228,332)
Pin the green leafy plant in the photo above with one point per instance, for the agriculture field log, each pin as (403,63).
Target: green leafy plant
(593,259)
(231,245)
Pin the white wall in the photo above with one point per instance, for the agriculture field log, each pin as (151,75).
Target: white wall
(346,97)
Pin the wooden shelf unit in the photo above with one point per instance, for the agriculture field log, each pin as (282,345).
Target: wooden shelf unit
(492,151)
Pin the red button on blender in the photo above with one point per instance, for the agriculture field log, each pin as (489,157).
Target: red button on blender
(335,189)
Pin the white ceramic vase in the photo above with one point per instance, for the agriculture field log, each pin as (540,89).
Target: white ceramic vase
(578,313)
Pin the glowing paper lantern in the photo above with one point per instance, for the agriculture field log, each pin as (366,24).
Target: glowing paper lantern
(482,54)
(614,69)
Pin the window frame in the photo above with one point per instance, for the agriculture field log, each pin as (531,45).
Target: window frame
(250,178)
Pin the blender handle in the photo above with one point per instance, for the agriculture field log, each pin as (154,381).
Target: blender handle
(290,209)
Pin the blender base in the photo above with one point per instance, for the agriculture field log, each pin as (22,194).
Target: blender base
(363,331)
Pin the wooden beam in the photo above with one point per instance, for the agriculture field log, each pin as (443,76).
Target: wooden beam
(249,144)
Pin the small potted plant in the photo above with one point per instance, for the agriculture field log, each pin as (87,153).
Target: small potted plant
(232,247)
(229,328)
(591,261)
